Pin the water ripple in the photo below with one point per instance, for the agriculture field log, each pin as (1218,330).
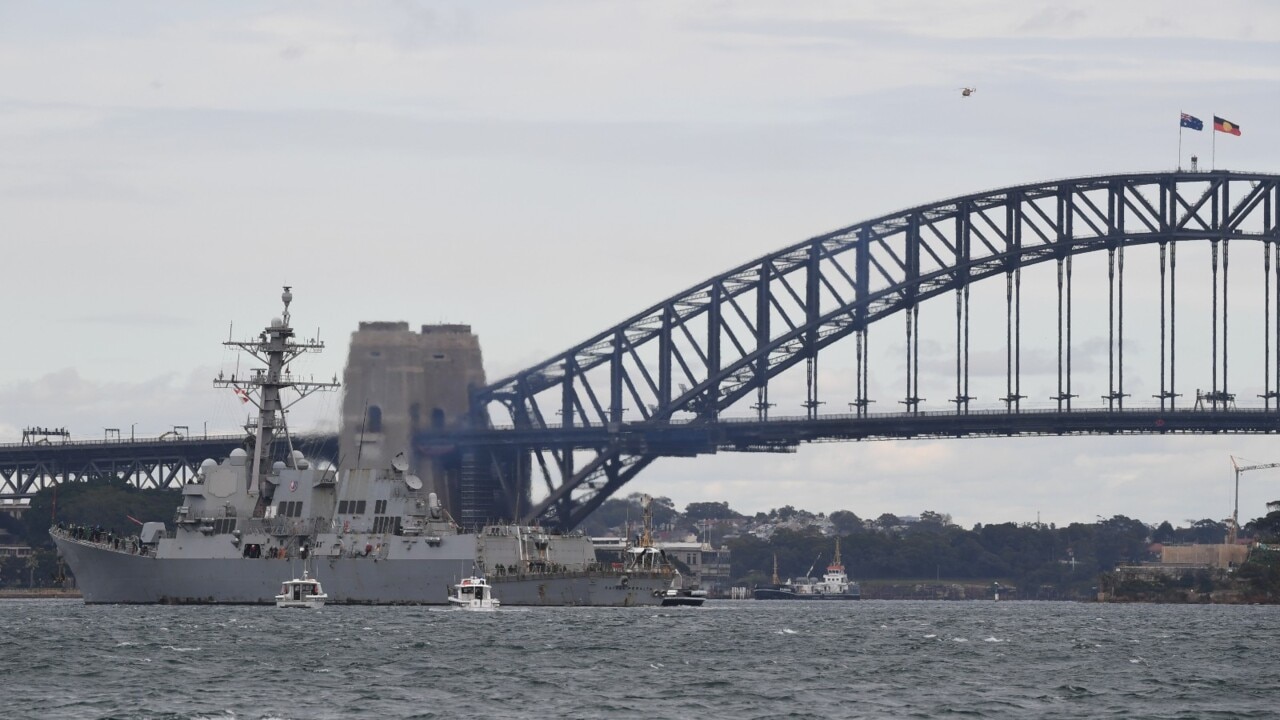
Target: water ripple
(729,659)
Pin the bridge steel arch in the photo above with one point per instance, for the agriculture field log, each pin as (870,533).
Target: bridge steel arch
(681,363)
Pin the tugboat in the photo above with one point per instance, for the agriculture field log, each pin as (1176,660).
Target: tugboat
(473,593)
(835,584)
(304,592)
(380,536)
(647,558)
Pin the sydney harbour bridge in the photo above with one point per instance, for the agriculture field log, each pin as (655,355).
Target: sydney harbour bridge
(831,326)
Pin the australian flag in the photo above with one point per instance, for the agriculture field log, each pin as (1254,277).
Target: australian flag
(1190,121)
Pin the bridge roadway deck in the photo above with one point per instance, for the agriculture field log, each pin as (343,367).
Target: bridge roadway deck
(784,434)
(147,462)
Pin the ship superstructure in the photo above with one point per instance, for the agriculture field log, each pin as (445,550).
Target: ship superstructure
(371,535)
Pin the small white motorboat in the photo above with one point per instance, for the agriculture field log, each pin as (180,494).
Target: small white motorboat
(304,592)
(473,593)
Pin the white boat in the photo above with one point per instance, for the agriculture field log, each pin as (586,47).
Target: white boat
(474,593)
(304,592)
(678,596)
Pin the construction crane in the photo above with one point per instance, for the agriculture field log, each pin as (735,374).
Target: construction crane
(1235,512)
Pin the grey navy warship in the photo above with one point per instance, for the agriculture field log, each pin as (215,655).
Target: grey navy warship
(373,536)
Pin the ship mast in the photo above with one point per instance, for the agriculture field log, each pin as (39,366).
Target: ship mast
(836,565)
(276,348)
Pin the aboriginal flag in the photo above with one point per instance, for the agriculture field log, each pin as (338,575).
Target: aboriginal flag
(1225,126)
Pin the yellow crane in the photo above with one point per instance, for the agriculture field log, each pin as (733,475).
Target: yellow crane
(1235,512)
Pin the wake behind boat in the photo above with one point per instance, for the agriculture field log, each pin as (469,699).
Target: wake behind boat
(374,534)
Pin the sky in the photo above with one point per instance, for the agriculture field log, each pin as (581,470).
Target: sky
(543,170)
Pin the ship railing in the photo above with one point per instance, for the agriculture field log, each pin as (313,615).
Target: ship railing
(281,527)
(554,572)
(127,544)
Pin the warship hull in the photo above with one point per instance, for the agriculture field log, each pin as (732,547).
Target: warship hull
(108,575)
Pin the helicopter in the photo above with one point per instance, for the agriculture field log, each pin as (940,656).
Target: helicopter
(967,91)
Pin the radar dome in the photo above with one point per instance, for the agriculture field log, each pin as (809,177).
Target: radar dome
(277,322)
(237,456)
(207,464)
(277,466)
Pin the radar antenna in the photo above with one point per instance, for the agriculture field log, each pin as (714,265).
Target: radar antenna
(276,348)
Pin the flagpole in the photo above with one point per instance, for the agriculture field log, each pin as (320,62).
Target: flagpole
(1179,139)
(1213,158)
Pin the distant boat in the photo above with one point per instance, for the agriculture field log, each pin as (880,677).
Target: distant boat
(473,593)
(835,585)
(675,597)
(304,592)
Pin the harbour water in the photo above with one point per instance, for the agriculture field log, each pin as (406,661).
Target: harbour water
(728,659)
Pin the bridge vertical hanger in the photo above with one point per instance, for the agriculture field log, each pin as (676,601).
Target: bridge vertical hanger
(615,379)
(1116,227)
(1266,325)
(1013,304)
(812,300)
(1277,327)
(862,288)
(564,456)
(1220,213)
(1173,325)
(1063,242)
(912,314)
(711,406)
(762,341)
(960,279)
(1164,396)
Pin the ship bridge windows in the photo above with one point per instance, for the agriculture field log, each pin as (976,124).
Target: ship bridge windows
(387,525)
(292,508)
(379,507)
(374,421)
(351,507)
(222,526)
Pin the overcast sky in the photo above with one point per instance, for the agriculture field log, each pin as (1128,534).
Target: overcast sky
(542,170)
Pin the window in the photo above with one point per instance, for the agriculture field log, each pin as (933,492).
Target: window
(379,507)
(386,525)
(359,507)
(343,506)
(374,423)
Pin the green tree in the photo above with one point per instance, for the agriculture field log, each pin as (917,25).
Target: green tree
(112,503)
(709,511)
(845,522)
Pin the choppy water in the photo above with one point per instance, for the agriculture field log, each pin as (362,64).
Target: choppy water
(729,659)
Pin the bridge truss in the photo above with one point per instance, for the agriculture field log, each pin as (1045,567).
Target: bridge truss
(165,462)
(681,365)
